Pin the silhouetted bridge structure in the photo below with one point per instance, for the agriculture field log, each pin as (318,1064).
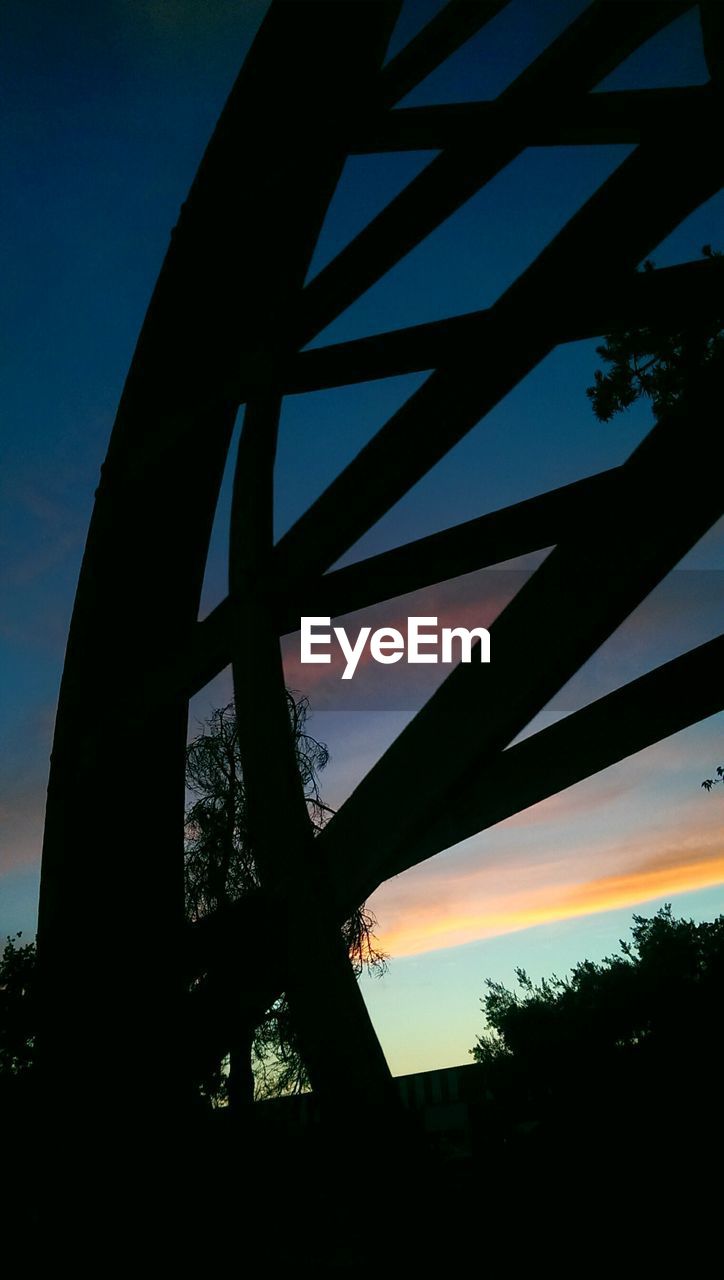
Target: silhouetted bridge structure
(127,985)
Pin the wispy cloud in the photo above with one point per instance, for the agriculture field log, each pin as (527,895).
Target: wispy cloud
(487,901)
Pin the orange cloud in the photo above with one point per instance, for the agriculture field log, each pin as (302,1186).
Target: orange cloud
(433,925)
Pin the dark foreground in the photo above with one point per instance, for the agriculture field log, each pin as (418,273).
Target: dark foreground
(621,1185)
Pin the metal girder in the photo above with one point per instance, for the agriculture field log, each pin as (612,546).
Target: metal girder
(661,296)
(664,701)
(456,22)
(620,117)
(476,544)
(232,268)
(342,1053)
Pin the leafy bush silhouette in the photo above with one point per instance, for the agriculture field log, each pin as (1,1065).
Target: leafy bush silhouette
(642,1025)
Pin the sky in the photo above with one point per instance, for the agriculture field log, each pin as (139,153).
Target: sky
(106,112)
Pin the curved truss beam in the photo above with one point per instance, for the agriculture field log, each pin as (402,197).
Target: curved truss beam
(233,268)
(344,1057)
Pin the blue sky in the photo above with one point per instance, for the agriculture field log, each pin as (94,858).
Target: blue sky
(106,113)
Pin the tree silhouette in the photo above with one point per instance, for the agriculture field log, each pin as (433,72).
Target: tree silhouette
(655,361)
(220,869)
(592,1047)
(666,959)
(17,1008)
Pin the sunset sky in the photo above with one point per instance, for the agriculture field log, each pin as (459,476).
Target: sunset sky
(107,110)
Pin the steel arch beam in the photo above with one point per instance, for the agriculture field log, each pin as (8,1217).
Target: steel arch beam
(233,266)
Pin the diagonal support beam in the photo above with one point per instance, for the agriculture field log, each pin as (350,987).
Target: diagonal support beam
(665,296)
(627,116)
(586,587)
(476,544)
(443,35)
(645,711)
